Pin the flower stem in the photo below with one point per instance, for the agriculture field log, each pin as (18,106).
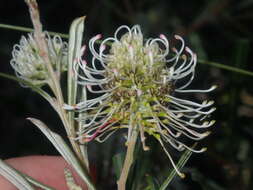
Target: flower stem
(128,161)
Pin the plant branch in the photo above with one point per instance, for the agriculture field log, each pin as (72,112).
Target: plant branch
(54,81)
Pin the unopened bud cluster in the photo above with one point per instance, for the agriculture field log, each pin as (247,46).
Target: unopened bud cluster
(30,65)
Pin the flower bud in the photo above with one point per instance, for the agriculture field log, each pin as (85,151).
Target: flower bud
(30,65)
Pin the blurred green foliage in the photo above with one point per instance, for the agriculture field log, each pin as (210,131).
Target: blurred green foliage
(218,30)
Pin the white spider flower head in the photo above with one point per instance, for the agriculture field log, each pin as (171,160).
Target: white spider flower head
(30,66)
(138,86)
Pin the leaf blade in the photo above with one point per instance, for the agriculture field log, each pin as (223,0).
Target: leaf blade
(27,83)
(182,161)
(75,42)
(14,177)
(64,150)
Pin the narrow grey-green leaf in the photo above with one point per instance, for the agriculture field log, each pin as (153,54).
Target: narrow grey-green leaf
(14,177)
(226,67)
(182,161)
(34,181)
(75,43)
(27,83)
(27,29)
(37,183)
(64,150)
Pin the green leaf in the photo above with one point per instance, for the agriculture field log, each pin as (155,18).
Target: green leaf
(29,84)
(118,161)
(64,150)
(26,29)
(139,168)
(14,177)
(182,161)
(226,67)
(152,183)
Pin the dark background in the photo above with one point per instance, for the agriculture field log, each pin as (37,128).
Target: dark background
(218,30)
